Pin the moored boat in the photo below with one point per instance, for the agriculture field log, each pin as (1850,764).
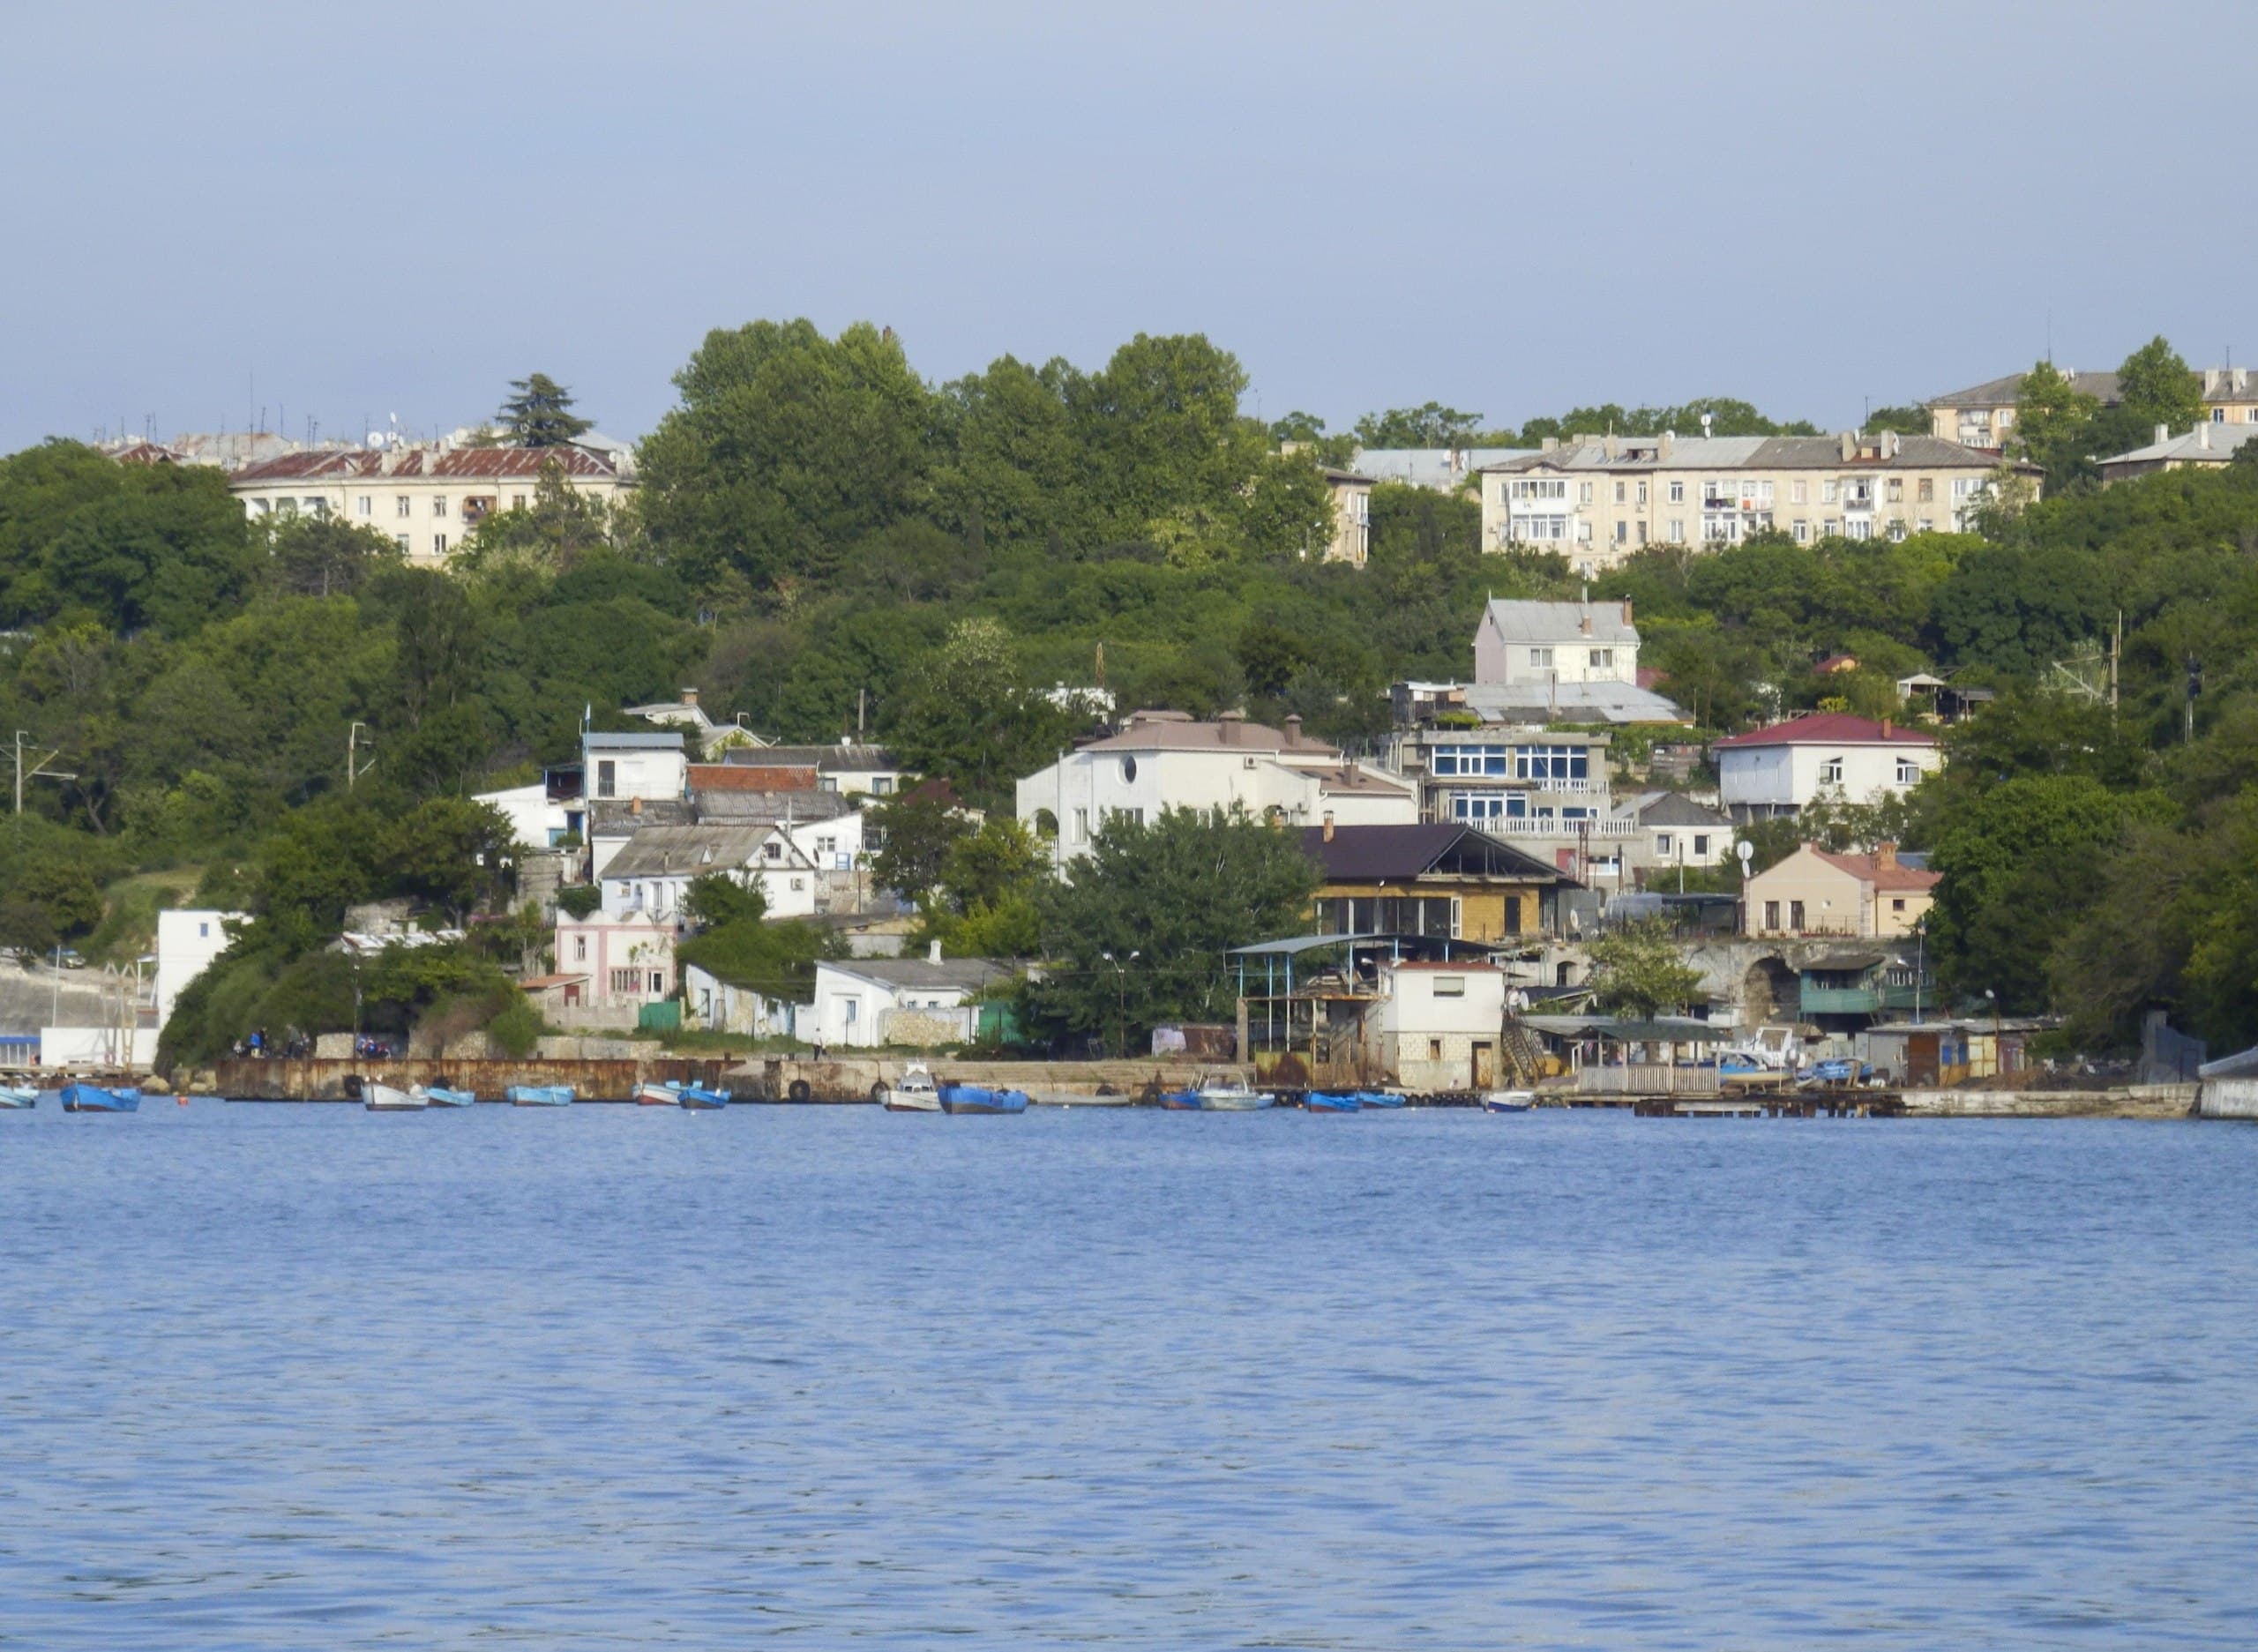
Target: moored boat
(657,1095)
(386,1098)
(92,1098)
(913,1091)
(1332,1101)
(1217,1093)
(16,1096)
(981,1098)
(699,1099)
(540,1095)
(440,1095)
(1379,1098)
(1079,1098)
(1507,1100)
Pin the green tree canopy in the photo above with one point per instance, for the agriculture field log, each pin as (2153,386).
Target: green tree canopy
(539,413)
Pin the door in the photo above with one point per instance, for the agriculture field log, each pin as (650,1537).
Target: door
(1485,1067)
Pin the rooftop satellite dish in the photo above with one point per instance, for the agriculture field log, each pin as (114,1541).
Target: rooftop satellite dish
(376,439)
(1746,851)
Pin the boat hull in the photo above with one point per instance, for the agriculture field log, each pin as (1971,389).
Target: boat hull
(92,1098)
(1507,1100)
(439,1095)
(1069,1098)
(1323,1102)
(10,1097)
(912,1101)
(702,1100)
(655,1095)
(384,1098)
(979,1098)
(1378,1098)
(540,1095)
(1235,1101)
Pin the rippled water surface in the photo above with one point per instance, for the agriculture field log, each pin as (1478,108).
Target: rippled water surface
(618,1377)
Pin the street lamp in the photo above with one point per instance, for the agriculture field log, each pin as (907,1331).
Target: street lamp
(1121,998)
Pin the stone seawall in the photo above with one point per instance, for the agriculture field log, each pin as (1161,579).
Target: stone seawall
(2137,1100)
(325,1081)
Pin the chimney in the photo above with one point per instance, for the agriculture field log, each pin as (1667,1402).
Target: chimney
(1667,445)
(634,805)
(1228,726)
(1849,442)
(1613,447)
(1329,826)
(1887,728)
(2204,434)
(1885,857)
(933,952)
(2162,434)
(1584,624)
(2210,380)
(1626,610)
(1552,444)
(690,697)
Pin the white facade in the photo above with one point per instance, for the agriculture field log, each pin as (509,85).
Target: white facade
(187,942)
(1555,642)
(648,766)
(1269,775)
(537,820)
(1783,777)
(628,959)
(794,865)
(866,1003)
(1441,1026)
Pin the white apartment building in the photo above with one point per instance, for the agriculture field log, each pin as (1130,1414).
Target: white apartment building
(794,866)
(1982,416)
(427,498)
(1781,770)
(1164,759)
(1555,642)
(1597,500)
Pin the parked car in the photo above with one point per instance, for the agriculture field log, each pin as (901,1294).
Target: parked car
(69,958)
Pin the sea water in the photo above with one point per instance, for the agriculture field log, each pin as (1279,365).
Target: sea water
(613,1377)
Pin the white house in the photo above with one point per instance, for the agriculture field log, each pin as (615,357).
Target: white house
(847,767)
(1438,1024)
(626,960)
(795,866)
(539,818)
(1555,642)
(187,942)
(1164,759)
(1780,770)
(622,765)
(916,1001)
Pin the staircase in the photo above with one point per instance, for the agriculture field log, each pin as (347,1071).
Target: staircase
(1523,1056)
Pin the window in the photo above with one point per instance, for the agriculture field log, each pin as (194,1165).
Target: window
(626,983)
(1799,492)
(439,505)
(1677,530)
(1662,843)
(1897,903)
(1677,493)
(367,507)
(772,849)
(606,778)
(1928,524)
(1460,762)
(1643,530)
(402,540)
(1925,490)
(1619,493)
(1909,772)
(1830,491)
(517,502)
(1803,531)
(1082,826)
(826,846)
(658,983)
(1539,487)
(1434,1050)
(1602,658)
(402,505)
(882,785)
(1771,914)
(2218,415)
(1795,915)
(439,544)
(1830,772)
(1552,762)
(853,1010)
(1643,493)
(1450,986)
(1894,489)
(1540,659)
(799,885)
(1622,532)
(1129,769)
(1583,493)
(1539,530)
(1831,527)
(1488,805)
(579,949)
(1700,843)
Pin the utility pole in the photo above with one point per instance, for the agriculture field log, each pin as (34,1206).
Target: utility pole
(354,768)
(2194,690)
(2116,655)
(39,768)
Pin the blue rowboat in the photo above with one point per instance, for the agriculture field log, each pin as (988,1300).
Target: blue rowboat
(981,1098)
(1378,1098)
(92,1098)
(10,1095)
(1180,1101)
(540,1095)
(439,1095)
(699,1099)
(1330,1101)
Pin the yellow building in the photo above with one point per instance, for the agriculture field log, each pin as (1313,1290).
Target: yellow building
(1820,892)
(1446,880)
(1982,416)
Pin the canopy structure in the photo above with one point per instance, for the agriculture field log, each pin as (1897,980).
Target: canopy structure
(1663,1030)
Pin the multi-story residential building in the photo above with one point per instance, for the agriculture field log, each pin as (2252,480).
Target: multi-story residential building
(2205,447)
(792,864)
(1352,517)
(427,498)
(1819,892)
(1445,881)
(1982,416)
(1164,759)
(1597,500)
(1510,781)
(1780,770)
(1437,469)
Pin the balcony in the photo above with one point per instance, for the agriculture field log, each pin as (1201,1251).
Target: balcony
(1533,827)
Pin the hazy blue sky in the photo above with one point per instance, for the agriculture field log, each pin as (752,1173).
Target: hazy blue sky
(398,207)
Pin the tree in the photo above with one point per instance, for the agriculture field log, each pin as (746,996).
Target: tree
(324,556)
(2053,424)
(2155,386)
(913,831)
(1180,892)
(1429,425)
(1639,971)
(450,851)
(539,413)
(971,716)
(62,890)
(1904,421)
(715,899)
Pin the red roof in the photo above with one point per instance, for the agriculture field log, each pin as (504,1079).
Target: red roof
(1868,869)
(742,777)
(1827,728)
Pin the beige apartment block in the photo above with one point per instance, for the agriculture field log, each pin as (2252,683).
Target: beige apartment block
(1982,416)
(1818,891)
(427,499)
(1352,517)
(1597,500)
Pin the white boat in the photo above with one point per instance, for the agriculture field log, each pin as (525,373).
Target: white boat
(383,1098)
(19,1096)
(440,1095)
(913,1092)
(1218,1093)
(650,1093)
(1081,1098)
(1507,1100)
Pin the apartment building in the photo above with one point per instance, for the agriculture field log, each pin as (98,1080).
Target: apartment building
(427,498)
(1597,500)
(1982,416)
(2205,447)
(1352,517)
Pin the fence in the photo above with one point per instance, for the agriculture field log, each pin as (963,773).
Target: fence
(1647,1078)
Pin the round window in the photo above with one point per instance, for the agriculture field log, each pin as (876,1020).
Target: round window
(1129,768)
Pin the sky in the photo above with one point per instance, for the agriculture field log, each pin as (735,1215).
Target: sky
(345,214)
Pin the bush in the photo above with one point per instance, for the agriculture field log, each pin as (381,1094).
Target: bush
(579,899)
(516,1030)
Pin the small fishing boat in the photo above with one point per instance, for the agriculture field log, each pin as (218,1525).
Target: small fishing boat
(92,1098)
(657,1095)
(440,1095)
(699,1099)
(1218,1094)
(1332,1101)
(385,1098)
(540,1095)
(913,1091)
(1379,1098)
(1507,1100)
(1079,1098)
(981,1098)
(18,1096)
